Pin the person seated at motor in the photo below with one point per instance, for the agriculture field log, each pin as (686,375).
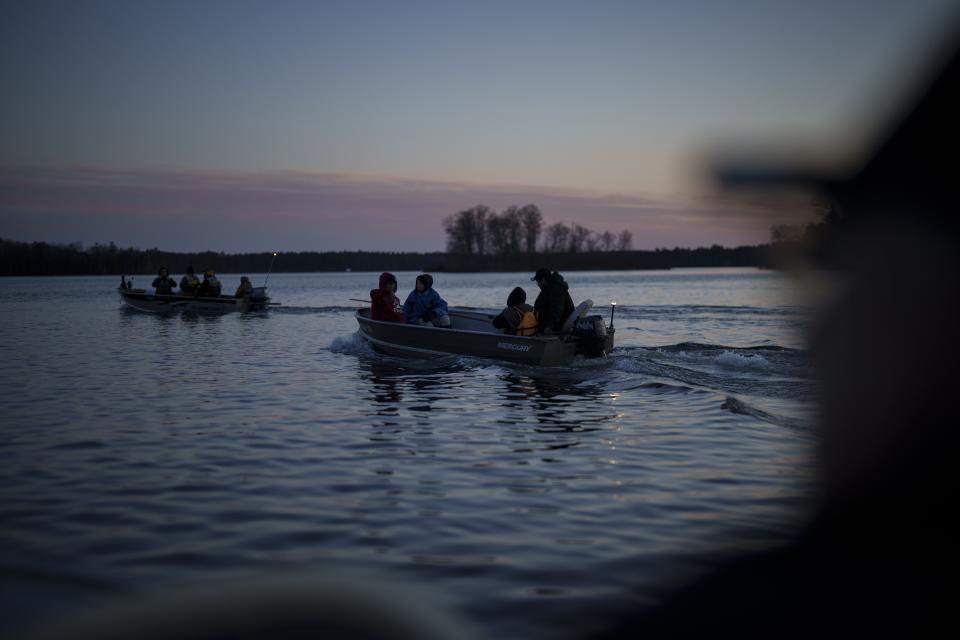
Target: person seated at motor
(517,318)
(245,290)
(384,303)
(210,287)
(424,305)
(189,283)
(554,304)
(163,283)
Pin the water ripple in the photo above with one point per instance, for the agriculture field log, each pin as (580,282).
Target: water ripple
(164,451)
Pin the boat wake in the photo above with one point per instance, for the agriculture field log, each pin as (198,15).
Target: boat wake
(352,345)
(768,371)
(685,312)
(307,310)
(746,377)
(735,405)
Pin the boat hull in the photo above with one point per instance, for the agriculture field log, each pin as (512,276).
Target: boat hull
(472,334)
(140,300)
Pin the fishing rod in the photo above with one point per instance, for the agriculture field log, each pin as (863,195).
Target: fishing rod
(270,269)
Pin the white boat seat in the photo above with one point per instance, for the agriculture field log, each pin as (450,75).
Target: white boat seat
(582,309)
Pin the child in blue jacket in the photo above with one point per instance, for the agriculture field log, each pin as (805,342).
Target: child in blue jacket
(424,305)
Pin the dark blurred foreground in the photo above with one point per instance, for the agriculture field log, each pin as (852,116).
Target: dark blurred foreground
(879,557)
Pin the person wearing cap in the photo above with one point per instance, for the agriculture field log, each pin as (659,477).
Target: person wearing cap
(163,283)
(245,289)
(554,303)
(189,283)
(210,287)
(384,303)
(425,306)
(517,318)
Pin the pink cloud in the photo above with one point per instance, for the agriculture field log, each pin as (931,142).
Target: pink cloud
(290,210)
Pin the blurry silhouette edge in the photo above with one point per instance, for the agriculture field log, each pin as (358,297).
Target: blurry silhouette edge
(343,606)
(878,555)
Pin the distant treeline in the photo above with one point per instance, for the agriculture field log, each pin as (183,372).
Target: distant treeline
(481,231)
(42,258)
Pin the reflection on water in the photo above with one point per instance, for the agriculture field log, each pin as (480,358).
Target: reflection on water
(423,382)
(552,400)
(152,452)
(558,404)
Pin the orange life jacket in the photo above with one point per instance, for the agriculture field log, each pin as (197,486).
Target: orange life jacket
(528,324)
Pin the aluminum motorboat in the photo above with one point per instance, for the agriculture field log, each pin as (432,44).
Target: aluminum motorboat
(471,333)
(152,302)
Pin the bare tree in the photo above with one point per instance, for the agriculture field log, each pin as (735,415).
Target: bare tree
(606,241)
(625,241)
(532,222)
(497,241)
(481,213)
(512,229)
(578,238)
(557,238)
(466,231)
(460,232)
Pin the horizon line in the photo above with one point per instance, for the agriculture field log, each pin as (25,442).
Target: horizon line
(280,252)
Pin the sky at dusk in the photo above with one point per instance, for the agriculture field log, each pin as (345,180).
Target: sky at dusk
(249,126)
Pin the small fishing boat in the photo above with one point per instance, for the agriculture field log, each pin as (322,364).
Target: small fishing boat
(151,302)
(471,333)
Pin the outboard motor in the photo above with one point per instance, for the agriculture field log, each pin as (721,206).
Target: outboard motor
(594,338)
(258,300)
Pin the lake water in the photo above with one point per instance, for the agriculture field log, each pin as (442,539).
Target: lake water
(144,455)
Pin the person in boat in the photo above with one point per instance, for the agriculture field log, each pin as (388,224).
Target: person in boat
(189,283)
(518,318)
(210,287)
(384,303)
(554,303)
(163,283)
(245,290)
(424,305)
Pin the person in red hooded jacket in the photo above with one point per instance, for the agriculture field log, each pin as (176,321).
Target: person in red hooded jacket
(384,303)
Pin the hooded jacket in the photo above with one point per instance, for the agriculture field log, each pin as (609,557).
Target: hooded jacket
(245,289)
(384,304)
(210,287)
(517,318)
(429,302)
(189,284)
(164,285)
(554,303)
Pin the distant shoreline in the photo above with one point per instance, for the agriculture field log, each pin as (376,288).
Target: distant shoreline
(45,259)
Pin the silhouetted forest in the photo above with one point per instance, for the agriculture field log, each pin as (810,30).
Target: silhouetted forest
(42,258)
(478,240)
(482,231)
